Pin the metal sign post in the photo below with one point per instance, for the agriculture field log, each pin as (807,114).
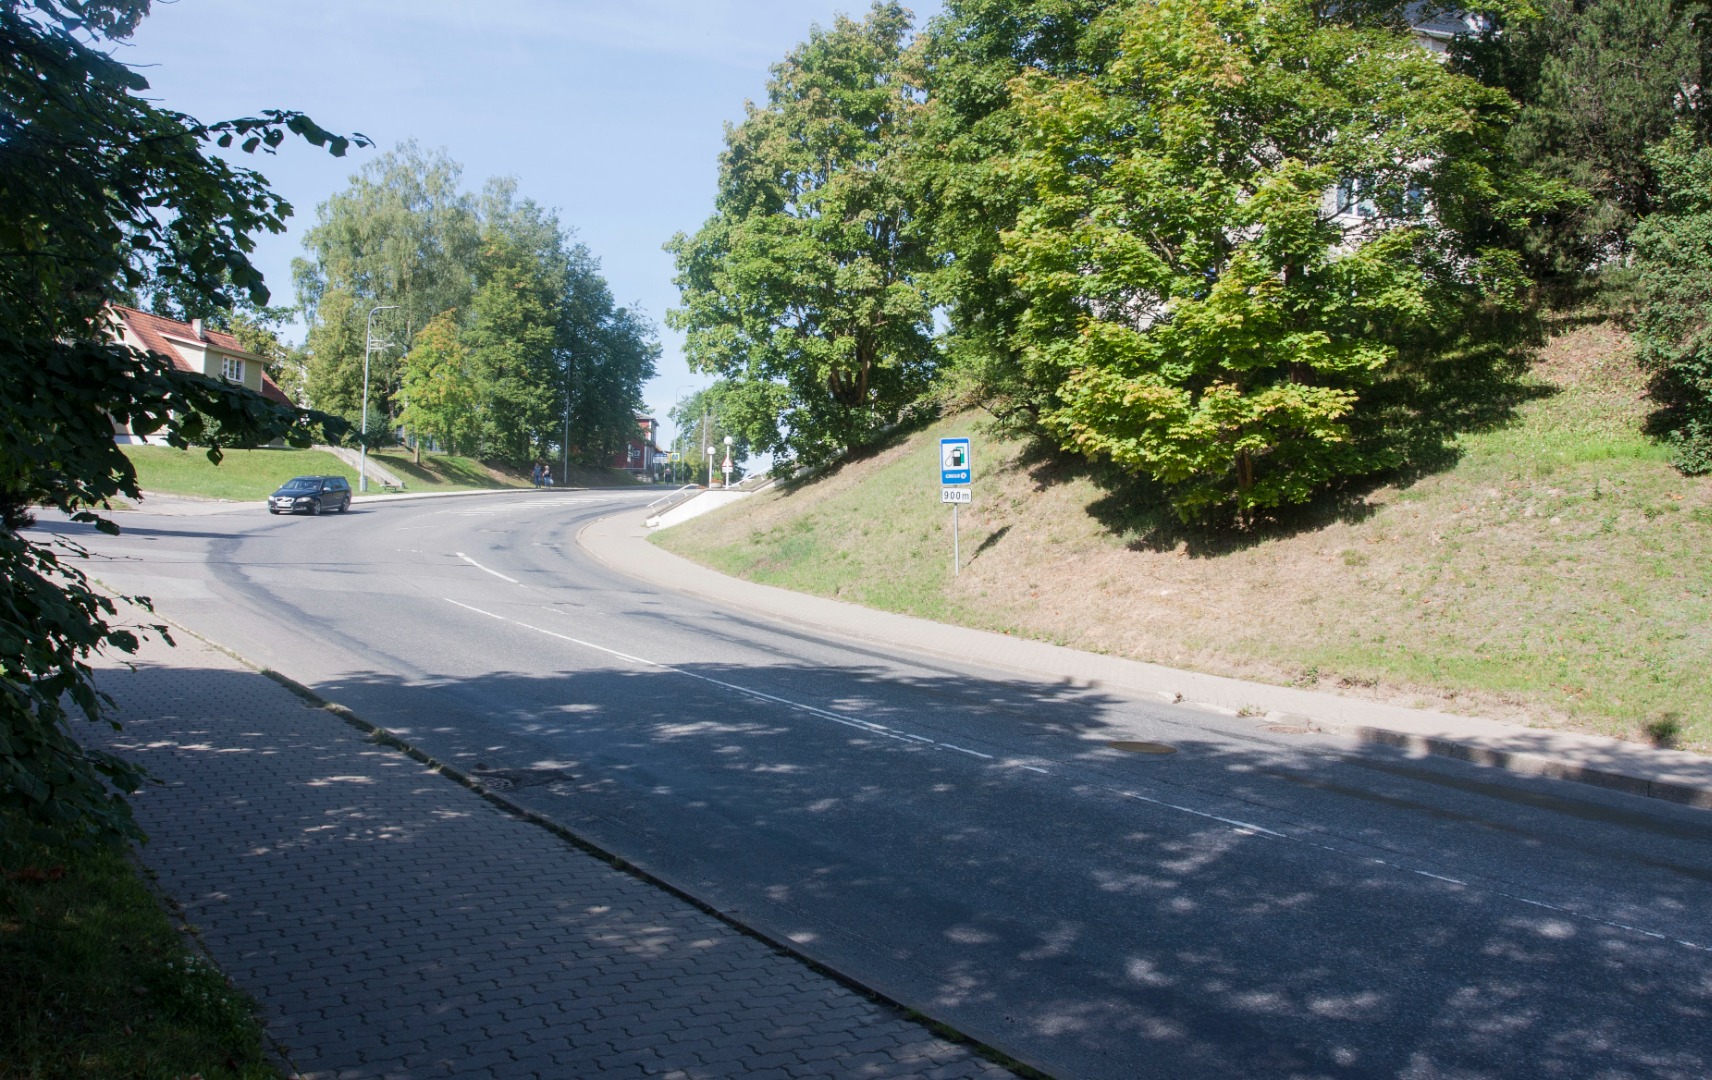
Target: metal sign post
(956,473)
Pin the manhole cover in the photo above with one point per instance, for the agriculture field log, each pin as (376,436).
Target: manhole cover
(511,779)
(1143,747)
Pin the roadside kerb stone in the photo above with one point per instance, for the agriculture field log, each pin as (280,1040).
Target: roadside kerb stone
(391,924)
(620,542)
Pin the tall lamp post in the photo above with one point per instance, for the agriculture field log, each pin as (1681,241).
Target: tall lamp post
(678,435)
(726,468)
(710,468)
(368,348)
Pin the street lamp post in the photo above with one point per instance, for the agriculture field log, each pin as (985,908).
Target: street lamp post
(710,468)
(677,434)
(726,468)
(368,347)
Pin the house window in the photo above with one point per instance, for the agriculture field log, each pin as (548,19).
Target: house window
(232,368)
(1351,200)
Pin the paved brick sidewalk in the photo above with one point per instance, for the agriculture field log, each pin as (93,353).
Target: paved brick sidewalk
(394,924)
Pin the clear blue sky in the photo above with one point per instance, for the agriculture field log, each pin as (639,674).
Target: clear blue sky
(611,112)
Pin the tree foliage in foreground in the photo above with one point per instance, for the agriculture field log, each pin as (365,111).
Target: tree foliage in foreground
(802,291)
(1235,227)
(102,194)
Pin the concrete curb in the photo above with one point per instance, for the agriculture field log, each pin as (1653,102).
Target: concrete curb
(392,740)
(619,541)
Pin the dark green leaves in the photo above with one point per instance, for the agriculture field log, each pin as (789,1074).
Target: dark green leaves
(101,193)
(804,289)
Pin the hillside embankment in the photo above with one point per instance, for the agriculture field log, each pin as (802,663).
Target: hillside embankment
(251,475)
(1558,573)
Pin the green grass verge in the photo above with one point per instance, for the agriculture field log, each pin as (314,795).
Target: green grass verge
(253,475)
(1559,573)
(241,476)
(445,472)
(99,985)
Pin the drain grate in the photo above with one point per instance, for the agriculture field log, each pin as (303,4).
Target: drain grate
(1143,747)
(512,779)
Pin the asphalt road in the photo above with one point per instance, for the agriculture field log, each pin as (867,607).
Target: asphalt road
(1255,904)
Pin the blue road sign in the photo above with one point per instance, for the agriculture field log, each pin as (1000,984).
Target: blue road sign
(954,464)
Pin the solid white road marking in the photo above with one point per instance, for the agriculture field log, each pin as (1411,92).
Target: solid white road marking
(480,567)
(847,721)
(971,753)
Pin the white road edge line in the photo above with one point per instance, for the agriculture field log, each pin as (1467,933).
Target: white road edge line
(484,569)
(1243,826)
(860,725)
(971,753)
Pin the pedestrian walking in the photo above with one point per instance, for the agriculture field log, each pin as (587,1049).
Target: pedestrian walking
(535,475)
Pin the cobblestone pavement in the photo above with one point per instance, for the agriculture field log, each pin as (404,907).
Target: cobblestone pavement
(395,925)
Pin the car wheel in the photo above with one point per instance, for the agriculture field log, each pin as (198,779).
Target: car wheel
(346,505)
(314,508)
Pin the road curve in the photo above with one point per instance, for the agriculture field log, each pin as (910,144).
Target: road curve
(1253,903)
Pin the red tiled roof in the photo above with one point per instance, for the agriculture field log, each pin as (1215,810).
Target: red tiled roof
(273,393)
(154,332)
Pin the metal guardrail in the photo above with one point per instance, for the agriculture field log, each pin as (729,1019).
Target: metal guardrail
(671,495)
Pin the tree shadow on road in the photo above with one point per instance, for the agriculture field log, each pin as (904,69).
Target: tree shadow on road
(980,849)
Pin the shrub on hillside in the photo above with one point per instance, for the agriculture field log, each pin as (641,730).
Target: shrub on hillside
(1673,264)
(1239,229)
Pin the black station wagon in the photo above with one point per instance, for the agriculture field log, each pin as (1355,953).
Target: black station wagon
(311,495)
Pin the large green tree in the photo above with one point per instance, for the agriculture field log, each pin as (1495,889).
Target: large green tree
(546,349)
(103,195)
(956,165)
(803,289)
(439,388)
(1233,228)
(555,357)
(1599,81)
(403,234)
(513,337)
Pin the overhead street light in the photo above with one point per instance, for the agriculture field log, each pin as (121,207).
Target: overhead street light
(368,348)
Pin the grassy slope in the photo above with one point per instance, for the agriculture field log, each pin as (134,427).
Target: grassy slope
(242,475)
(1560,573)
(445,472)
(245,475)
